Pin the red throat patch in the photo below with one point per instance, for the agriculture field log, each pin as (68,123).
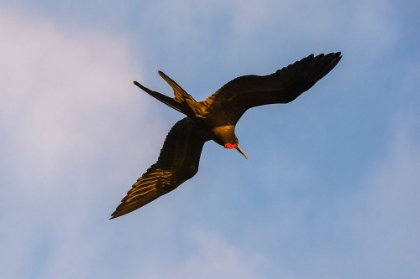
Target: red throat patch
(230,145)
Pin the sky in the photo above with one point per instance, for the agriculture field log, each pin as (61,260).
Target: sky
(331,188)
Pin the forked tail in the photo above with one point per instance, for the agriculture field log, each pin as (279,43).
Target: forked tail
(182,102)
(180,95)
(164,99)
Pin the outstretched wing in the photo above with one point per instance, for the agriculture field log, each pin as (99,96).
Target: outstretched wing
(283,86)
(178,161)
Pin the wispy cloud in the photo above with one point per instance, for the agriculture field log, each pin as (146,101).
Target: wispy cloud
(382,230)
(210,256)
(65,99)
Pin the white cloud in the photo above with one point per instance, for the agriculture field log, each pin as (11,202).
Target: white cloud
(368,230)
(211,256)
(242,37)
(68,105)
(52,83)
(382,230)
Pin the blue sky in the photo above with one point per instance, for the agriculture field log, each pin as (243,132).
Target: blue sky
(331,188)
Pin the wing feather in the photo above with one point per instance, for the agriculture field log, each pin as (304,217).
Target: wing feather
(283,86)
(178,161)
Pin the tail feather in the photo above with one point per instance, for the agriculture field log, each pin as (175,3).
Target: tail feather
(164,99)
(182,102)
(180,94)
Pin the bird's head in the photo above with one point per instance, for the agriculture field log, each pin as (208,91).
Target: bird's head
(225,136)
(235,144)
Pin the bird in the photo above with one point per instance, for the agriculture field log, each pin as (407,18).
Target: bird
(215,119)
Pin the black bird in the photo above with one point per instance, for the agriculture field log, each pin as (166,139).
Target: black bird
(215,119)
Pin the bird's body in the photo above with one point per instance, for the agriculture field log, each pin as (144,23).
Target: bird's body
(215,119)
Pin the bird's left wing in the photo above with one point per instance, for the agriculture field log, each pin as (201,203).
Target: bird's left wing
(283,86)
(178,161)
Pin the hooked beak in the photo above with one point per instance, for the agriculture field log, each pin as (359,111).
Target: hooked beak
(241,151)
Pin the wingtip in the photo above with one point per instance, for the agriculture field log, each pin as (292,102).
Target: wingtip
(338,54)
(337,57)
(114,215)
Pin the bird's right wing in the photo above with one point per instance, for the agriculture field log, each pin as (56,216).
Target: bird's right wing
(283,86)
(178,161)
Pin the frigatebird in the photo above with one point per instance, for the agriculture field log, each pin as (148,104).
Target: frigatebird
(215,119)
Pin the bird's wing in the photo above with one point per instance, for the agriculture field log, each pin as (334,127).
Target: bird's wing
(283,86)
(178,161)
